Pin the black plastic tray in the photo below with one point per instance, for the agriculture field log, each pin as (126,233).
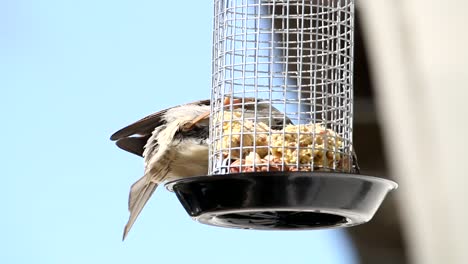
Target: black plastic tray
(282,200)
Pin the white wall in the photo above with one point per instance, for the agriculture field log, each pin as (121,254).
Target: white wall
(419,57)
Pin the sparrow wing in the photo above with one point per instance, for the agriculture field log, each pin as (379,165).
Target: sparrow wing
(141,127)
(133,137)
(133,145)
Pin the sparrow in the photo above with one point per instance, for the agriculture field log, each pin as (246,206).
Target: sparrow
(174,144)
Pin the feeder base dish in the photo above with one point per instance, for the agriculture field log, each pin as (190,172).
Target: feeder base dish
(282,200)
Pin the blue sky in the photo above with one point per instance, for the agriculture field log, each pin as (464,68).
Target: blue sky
(73,72)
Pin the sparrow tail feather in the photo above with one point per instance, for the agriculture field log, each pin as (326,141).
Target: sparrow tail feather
(140,192)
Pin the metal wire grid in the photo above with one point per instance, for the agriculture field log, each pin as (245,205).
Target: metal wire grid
(282,62)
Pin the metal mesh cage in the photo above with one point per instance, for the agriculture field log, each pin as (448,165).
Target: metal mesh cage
(282,93)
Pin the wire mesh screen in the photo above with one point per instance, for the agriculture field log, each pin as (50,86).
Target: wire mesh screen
(282,93)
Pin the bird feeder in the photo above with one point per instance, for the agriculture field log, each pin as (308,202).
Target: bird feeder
(281,132)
